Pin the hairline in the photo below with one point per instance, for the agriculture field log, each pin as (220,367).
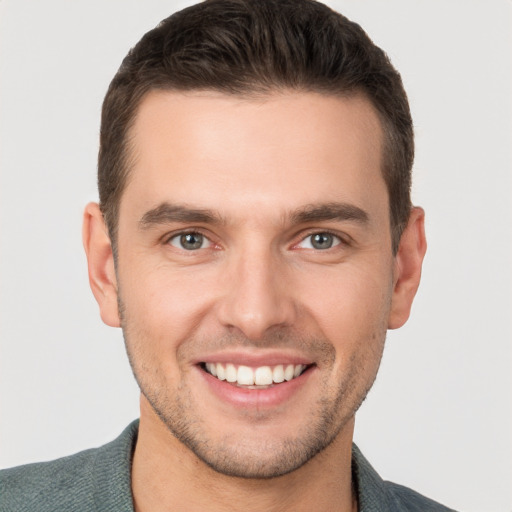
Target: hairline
(249,92)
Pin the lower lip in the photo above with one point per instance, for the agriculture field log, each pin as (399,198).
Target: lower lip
(256,398)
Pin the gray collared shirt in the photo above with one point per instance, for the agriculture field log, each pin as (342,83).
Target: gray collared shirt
(99,480)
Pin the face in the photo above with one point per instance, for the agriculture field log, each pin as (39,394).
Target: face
(255,275)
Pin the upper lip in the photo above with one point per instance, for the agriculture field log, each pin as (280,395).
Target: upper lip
(268,358)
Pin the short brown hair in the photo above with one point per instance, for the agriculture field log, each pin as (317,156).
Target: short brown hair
(257,46)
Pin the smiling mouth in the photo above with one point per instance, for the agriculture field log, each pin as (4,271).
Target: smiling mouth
(254,378)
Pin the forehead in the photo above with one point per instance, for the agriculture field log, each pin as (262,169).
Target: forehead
(281,150)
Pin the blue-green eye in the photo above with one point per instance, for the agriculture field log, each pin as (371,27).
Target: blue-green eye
(320,241)
(190,241)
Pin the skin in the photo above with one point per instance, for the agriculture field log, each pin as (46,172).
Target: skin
(271,172)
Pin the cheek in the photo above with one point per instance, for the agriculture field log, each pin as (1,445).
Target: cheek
(161,305)
(352,305)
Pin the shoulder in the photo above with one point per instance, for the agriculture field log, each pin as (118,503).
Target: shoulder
(377,495)
(411,501)
(90,480)
(49,485)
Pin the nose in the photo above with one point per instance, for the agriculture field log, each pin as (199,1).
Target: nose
(257,295)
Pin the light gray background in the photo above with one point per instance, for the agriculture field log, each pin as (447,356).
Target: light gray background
(439,416)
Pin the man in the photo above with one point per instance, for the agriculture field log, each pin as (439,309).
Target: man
(255,240)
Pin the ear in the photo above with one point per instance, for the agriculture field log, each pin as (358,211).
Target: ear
(407,273)
(100,263)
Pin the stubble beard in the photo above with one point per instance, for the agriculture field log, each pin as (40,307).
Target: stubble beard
(241,458)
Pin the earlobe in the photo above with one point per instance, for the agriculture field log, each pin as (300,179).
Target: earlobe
(408,264)
(100,263)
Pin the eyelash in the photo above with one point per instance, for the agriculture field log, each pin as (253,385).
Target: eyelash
(167,239)
(342,240)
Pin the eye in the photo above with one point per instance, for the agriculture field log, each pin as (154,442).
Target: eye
(320,241)
(190,241)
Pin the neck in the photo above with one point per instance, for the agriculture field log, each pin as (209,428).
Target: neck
(166,475)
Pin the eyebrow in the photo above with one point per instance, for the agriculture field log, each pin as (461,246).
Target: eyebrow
(330,211)
(166,213)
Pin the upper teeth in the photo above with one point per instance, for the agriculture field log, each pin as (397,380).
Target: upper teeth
(261,376)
